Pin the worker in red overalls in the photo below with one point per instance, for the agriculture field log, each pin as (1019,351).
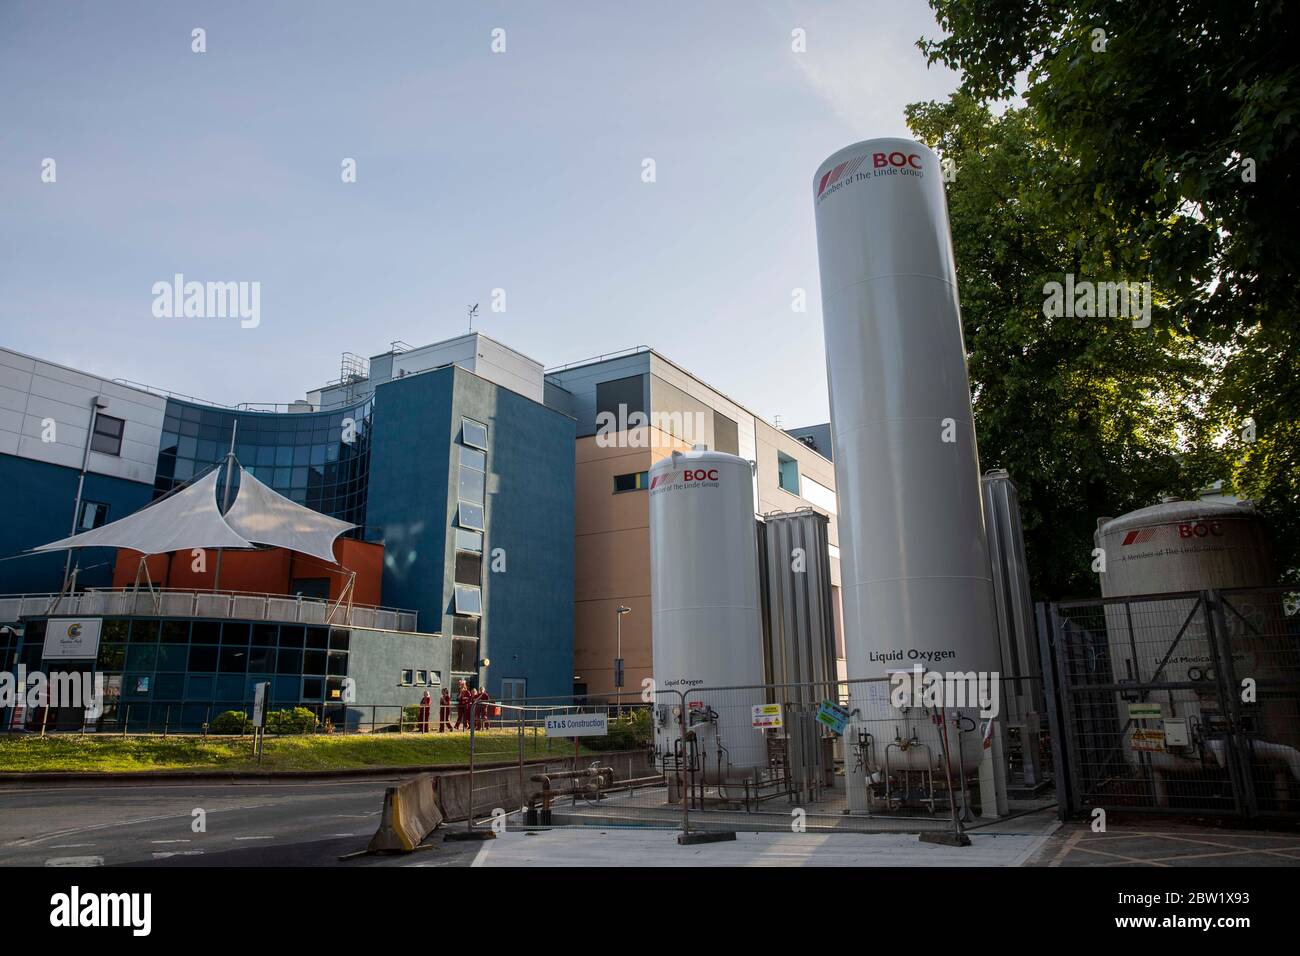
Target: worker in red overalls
(484,708)
(444,711)
(422,713)
(464,702)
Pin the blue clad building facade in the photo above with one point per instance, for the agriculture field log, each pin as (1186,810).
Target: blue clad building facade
(446,455)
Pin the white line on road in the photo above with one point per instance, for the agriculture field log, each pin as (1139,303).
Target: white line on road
(68,846)
(169,841)
(75,861)
(253,838)
(166,854)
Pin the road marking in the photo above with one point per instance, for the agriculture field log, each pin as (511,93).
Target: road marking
(169,841)
(480,858)
(1067,847)
(166,854)
(126,823)
(342,834)
(68,846)
(75,861)
(253,838)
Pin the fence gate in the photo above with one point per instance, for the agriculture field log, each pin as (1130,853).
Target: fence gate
(1176,703)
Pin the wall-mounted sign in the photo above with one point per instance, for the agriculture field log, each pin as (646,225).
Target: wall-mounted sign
(767,716)
(72,638)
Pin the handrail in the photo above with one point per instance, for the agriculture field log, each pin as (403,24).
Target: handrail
(222,604)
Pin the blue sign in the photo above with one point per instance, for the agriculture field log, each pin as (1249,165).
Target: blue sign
(833,717)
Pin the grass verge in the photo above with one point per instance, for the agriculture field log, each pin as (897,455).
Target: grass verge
(90,753)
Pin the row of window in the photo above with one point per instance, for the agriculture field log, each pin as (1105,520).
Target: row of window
(413,677)
(470,494)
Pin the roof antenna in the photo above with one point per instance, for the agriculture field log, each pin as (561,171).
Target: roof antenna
(473,311)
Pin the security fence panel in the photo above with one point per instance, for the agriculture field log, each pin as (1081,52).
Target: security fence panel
(829,756)
(1178,703)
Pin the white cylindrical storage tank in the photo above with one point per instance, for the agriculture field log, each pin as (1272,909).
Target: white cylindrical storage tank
(1192,546)
(917,587)
(706,629)
(1184,546)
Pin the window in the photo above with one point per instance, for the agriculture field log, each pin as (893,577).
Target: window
(94,514)
(471,485)
(636,481)
(469,540)
(422,678)
(465,627)
(726,436)
(513,688)
(621,398)
(470,515)
(469,568)
(408,678)
(107,437)
(469,600)
(473,458)
(464,655)
(787,473)
(473,433)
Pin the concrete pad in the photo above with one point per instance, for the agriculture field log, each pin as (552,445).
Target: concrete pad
(594,847)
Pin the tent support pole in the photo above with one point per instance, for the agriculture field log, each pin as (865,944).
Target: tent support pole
(225,496)
(345,593)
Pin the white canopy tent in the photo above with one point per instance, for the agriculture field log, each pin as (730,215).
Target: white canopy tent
(191,519)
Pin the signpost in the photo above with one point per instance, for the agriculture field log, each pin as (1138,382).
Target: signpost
(261,692)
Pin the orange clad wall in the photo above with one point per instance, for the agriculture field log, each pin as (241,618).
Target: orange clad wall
(269,571)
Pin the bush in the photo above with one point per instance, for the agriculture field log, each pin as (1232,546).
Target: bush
(300,720)
(231,722)
(629,732)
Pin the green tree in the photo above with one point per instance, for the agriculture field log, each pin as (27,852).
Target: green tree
(1183,121)
(1091,416)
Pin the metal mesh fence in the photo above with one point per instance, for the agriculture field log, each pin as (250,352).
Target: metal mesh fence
(837,756)
(1183,702)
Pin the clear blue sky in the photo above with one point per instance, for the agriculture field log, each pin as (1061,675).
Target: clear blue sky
(475,171)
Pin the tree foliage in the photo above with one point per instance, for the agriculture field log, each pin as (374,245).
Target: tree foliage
(1179,125)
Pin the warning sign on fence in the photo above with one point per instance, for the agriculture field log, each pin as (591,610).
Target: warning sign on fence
(767,716)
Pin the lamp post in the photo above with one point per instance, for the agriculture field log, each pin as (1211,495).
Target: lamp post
(618,659)
(95,405)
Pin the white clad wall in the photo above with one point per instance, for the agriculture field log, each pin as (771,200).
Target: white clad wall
(508,368)
(33,392)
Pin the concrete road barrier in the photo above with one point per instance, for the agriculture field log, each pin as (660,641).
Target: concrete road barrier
(411,813)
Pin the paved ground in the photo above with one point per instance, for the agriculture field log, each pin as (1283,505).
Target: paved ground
(314,823)
(660,848)
(248,824)
(1165,843)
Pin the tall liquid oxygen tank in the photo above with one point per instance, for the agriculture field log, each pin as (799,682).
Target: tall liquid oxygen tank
(917,586)
(706,629)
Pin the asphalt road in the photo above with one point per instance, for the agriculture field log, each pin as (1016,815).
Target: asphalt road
(305,823)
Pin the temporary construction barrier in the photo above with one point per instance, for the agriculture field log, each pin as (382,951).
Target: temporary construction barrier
(410,814)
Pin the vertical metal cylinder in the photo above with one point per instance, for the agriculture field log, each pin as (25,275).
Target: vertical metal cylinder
(916,585)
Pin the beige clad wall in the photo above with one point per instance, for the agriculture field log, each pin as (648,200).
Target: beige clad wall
(612,559)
